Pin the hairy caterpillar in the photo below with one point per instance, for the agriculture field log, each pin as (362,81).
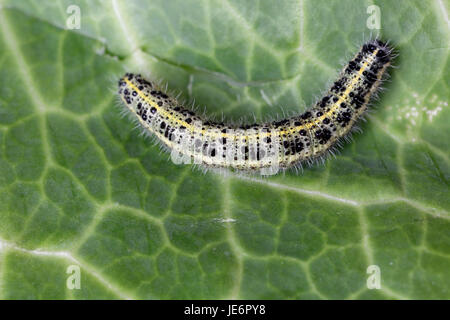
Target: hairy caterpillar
(269,146)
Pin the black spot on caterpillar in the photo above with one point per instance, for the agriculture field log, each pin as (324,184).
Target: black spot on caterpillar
(269,146)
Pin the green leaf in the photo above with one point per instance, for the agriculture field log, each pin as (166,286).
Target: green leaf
(80,187)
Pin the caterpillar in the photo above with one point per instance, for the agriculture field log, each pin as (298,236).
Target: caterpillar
(270,146)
